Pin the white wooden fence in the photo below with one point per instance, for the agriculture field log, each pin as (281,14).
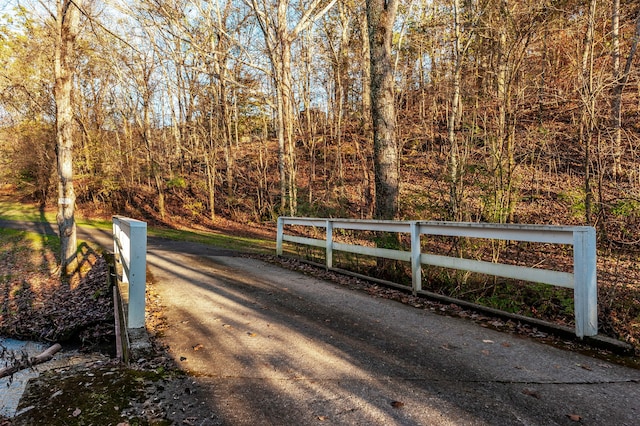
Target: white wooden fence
(581,238)
(130,249)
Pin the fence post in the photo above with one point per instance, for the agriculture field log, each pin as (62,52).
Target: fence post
(125,249)
(138,273)
(279,236)
(585,281)
(115,229)
(329,252)
(416,264)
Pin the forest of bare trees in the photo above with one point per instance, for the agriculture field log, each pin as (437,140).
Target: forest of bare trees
(498,110)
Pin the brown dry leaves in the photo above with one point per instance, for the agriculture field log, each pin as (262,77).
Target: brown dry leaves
(36,304)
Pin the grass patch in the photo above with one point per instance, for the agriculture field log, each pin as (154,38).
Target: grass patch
(10,210)
(244,244)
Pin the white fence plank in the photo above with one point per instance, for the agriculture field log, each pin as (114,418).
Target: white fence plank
(583,239)
(537,275)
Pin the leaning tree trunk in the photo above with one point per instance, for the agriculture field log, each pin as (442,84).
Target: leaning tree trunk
(367,184)
(455,182)
(381,16)
(620,79)
(67,29)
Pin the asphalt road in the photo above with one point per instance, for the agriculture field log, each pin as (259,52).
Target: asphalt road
(269,346)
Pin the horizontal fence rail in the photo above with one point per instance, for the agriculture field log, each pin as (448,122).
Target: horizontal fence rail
(130,249)
(581,238)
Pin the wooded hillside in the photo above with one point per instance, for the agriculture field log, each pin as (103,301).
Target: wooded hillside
(508,111)
(188,110)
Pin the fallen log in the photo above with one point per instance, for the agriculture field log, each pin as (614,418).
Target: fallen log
(39,359)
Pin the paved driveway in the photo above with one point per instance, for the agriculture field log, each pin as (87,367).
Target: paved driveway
(278,347)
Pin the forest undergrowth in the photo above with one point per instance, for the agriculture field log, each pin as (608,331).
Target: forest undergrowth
(544,195)
(548,195)
(618,268)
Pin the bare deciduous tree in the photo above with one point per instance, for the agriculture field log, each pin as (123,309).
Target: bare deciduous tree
(67,23)
(381,16)
(279,34)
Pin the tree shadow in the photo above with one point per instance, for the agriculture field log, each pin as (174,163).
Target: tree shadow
(36,303)
(46,234)
(16,292)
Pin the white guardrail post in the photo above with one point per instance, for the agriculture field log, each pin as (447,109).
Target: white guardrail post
(329,254)
(583,279)
(585,285)
(416,263)
(279,236)
(130,247)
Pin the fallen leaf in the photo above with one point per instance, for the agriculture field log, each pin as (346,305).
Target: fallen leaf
(574,417)
(531,393)
(322,418)
(397,404)
(250,334)
(198,347)
(506,344)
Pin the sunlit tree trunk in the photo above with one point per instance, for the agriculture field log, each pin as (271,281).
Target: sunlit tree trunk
(289,118)
(455,189)
(367,184)
(620,79)
(616,98)
(381,16)
(67,22)
(500,143)
(587,107)
(279,35)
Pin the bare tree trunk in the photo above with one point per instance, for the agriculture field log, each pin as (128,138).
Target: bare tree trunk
(367,184)
(587,107)
(282,165)
(210,162)
(366,77)
(67,22)
(381,16)
(616,95)
(498,154)
(620,78)
(279,36)
(288,122)
(455,189)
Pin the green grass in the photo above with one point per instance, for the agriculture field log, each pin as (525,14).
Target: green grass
(27,212)
(244,244)
(12,210)
(28,240)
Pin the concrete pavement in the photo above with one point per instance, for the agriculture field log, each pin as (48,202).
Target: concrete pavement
(279,347)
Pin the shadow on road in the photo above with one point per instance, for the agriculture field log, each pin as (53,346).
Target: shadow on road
(278,346)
